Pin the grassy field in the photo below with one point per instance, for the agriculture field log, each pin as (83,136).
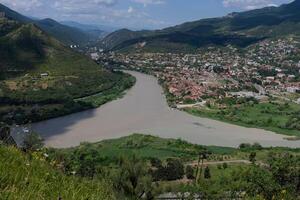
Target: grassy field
(273,116)
(30,177)
(147,147)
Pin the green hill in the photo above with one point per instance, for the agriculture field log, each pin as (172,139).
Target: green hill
(66,34)
(41,78)
(30,177)
(239,29)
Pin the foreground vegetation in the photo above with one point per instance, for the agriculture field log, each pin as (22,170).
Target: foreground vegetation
(29,176)
(148,167)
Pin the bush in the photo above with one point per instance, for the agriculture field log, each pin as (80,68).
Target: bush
(155,162)
(189,171)
(173,170)
(32,142)
(207,174)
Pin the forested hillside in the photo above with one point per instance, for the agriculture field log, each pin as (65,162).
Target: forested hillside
(41,78)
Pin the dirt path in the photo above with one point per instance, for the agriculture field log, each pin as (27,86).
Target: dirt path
(246,162)
(195,163)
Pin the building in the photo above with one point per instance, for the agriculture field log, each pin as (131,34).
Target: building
(293,89)
(44,74)
(95,56)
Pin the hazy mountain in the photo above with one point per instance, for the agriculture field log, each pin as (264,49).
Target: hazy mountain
(66,34)
(240,29)
(104,28)
(93,31)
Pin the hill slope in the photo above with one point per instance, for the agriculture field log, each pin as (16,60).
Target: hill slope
(22,177)
(66,34)
(240,29)
(41,78)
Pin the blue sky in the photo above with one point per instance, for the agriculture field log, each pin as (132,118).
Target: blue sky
(134,14)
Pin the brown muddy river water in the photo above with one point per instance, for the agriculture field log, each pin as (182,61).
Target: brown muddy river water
(144,110)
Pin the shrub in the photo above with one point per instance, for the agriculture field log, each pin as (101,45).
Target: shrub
(189,171)
(32,142)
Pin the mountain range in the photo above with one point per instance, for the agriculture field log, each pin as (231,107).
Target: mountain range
(67,34)
(239,29)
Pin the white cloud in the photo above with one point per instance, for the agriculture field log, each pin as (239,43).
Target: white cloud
(22,5)
(248,4)
(146,2)
(130,9)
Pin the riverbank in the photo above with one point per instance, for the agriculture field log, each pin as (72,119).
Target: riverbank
(281,117)
(250,117)
(19,108)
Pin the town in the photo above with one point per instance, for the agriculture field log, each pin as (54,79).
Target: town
(270,68)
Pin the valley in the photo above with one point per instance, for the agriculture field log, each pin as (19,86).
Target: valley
(144,109)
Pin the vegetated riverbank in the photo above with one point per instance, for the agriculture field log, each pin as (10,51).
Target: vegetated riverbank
(88,92)
(143,166)
(278,117)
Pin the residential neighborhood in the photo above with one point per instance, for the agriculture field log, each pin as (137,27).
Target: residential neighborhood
(271,67)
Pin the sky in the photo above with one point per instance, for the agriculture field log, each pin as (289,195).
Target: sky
(134,14)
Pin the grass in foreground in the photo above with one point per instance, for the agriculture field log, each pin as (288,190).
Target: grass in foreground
(30,177)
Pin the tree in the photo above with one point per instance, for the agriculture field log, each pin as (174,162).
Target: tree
(207,174)
(87,162)
(5,136)
(257,146)
(132,179)
(32,142)
(174,169)
(285,170)
(202,156)
(260,182)
(155,162)
(189,171)
(252,157)
(245,146)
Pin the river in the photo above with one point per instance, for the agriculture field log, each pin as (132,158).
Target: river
(144,110)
